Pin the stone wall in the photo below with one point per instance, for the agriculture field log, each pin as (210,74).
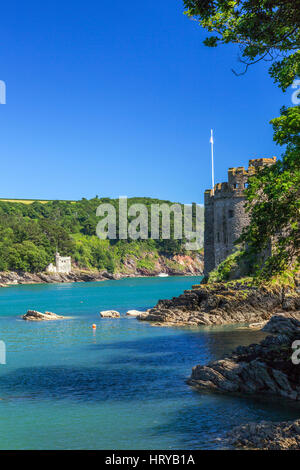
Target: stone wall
(209,247)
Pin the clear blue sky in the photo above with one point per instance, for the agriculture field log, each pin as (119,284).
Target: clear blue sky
(118,98)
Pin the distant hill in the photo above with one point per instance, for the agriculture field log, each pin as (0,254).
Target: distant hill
(31,231)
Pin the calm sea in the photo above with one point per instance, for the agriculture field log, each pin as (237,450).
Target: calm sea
(123,387)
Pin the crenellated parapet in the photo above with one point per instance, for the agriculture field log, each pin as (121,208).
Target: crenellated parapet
(261,162)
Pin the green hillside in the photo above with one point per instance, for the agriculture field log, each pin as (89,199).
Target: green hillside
(30,234)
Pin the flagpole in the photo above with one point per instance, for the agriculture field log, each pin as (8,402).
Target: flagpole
(212,162)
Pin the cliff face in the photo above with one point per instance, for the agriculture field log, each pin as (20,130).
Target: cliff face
(220,304)
(151,265)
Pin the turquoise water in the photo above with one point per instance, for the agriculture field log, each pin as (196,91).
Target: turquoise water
(123,387)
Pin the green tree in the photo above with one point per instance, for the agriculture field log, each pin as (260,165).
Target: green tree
(27,257)
(274,200)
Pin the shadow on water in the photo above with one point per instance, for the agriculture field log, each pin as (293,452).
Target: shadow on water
(168,350)
(202,424)
(90,384)
(141,369)
(190,347)
(144,368)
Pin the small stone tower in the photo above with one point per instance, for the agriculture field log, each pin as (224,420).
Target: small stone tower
(62,265)
(225,215)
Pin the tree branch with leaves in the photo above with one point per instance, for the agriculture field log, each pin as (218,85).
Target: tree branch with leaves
(263,30)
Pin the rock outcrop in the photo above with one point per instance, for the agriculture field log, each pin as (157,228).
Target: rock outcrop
(109,314)
(287,324)
(33,315)
(134,313)
(266,436)
(223,303)
(265,368)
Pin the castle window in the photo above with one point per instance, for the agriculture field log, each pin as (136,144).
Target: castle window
(230,213)
(218,237)
(235,186)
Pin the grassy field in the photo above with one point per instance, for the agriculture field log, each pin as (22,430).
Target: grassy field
(27,201)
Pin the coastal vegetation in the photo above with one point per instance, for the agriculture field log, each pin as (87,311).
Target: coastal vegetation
(30,234)
(227,269)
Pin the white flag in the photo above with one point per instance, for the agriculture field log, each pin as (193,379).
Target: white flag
(212,161)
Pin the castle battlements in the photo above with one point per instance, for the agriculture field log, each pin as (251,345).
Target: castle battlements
(261,162)
(225,215)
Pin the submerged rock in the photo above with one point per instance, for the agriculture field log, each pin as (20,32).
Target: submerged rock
(33,315)
(110,314)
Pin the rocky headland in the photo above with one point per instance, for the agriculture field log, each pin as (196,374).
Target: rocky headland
(224,303)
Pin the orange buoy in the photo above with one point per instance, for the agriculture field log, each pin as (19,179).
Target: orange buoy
(94,326)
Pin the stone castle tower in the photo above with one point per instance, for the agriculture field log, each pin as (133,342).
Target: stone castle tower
(225,215)
(63,265)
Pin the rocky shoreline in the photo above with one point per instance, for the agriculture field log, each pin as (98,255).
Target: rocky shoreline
(14,278)
(265,368)
(265,436)
(223,303)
